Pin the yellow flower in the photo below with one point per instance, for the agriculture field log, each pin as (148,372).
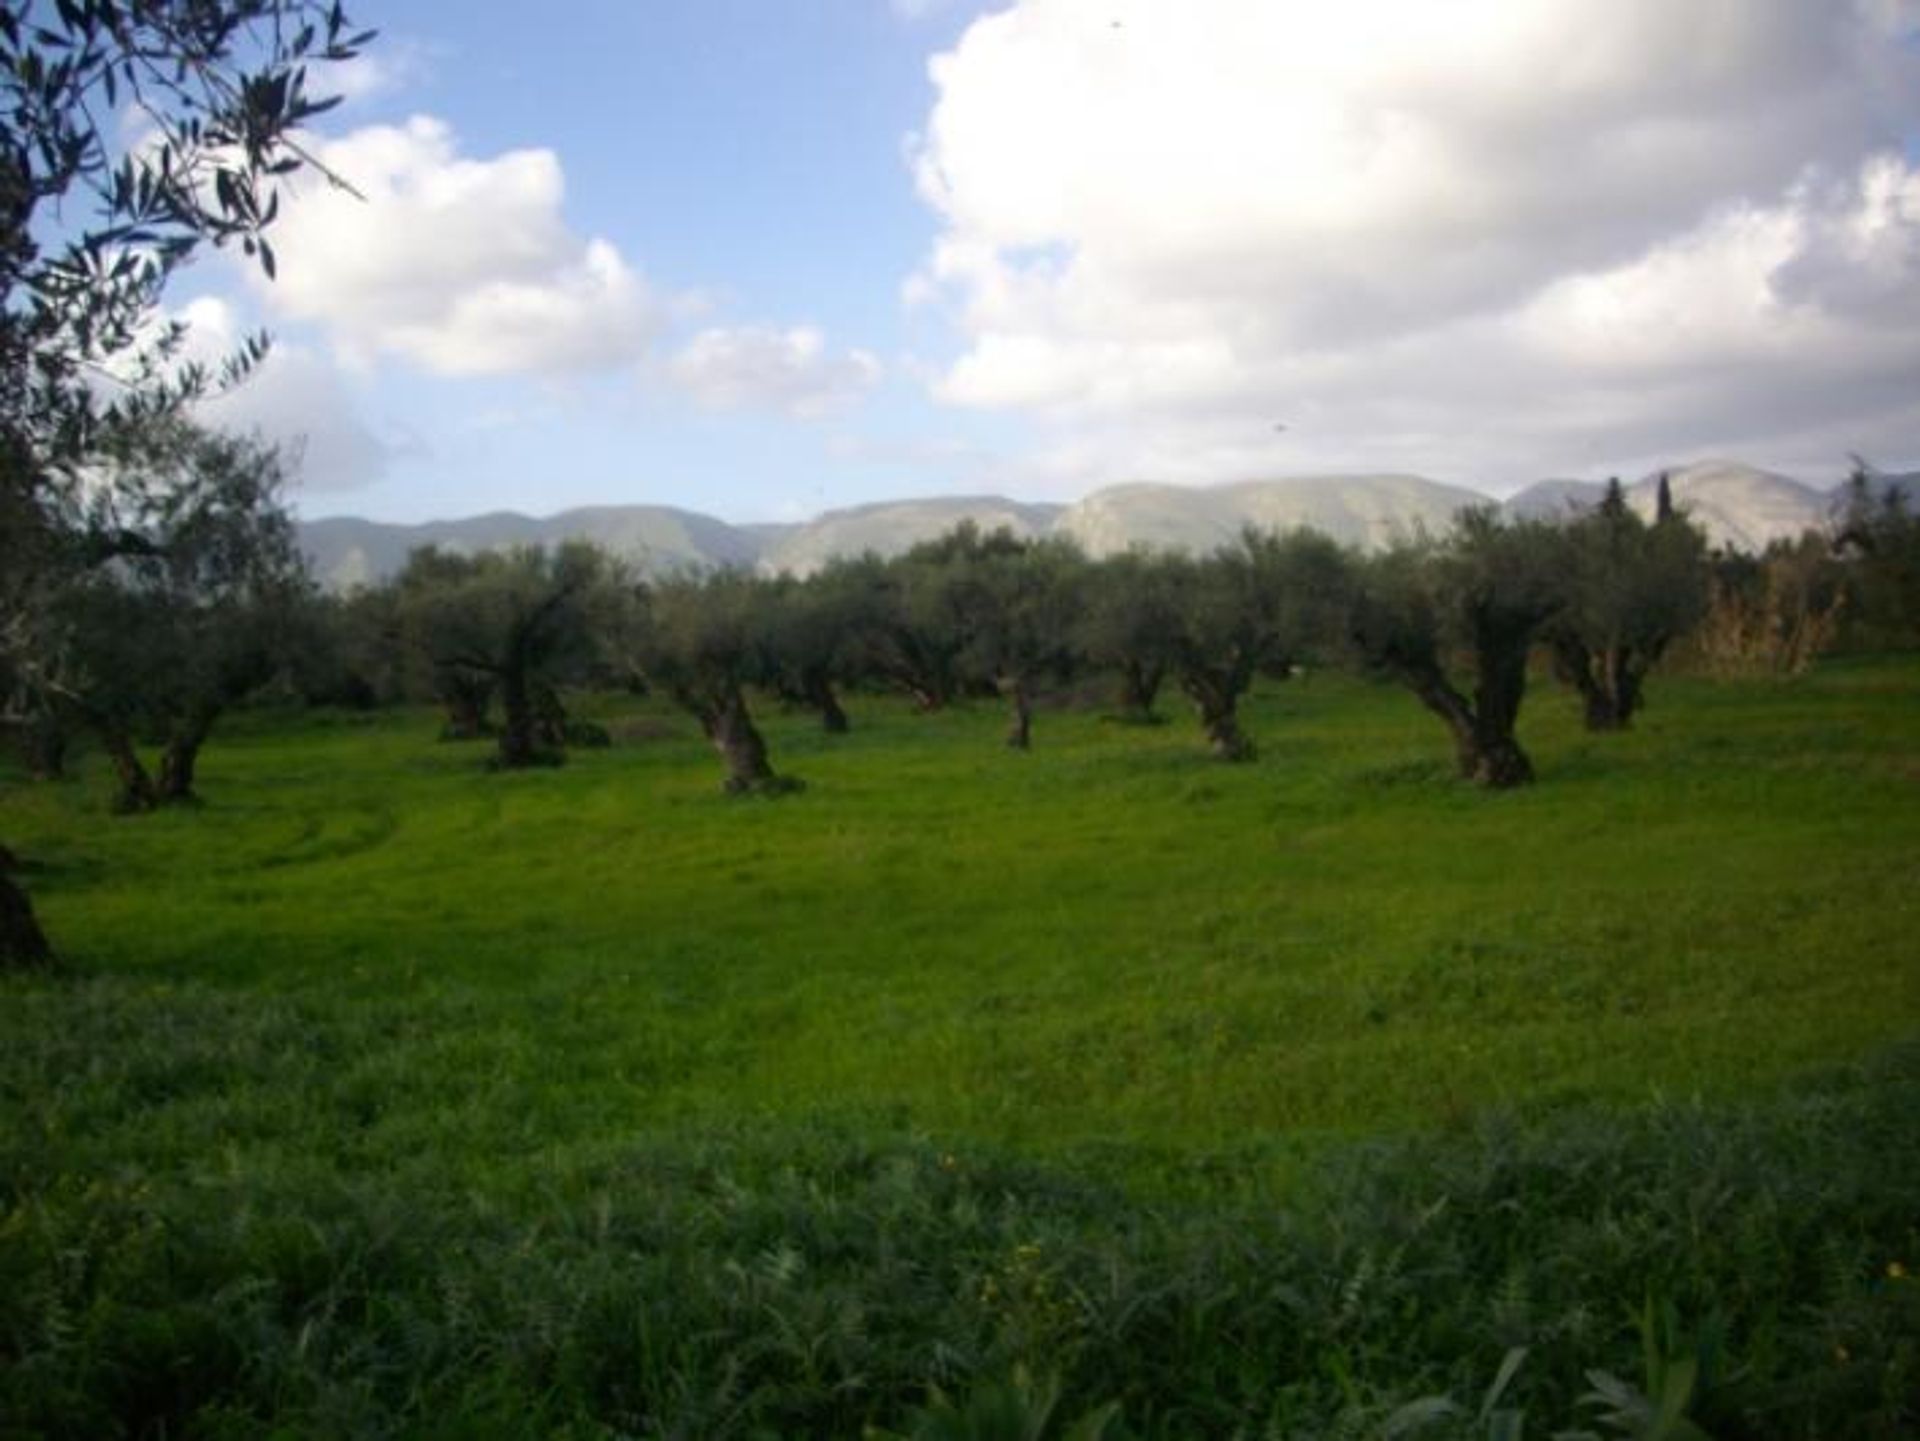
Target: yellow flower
(1895,1271)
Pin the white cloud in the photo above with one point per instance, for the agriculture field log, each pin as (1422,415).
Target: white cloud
(464,266)
(1489,239)
(762,368)
(379,70)
(296,399)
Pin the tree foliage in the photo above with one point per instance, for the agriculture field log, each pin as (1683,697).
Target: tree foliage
(1879,535)
(190,617)
(1020,606)
(1630,590)
(704,642)
(1478,600)
(95,218)
(1258,607)
(520,624)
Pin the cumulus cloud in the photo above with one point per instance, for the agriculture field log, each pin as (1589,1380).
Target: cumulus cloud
(756,367)
(1489,239)
(464,266)
(296,399)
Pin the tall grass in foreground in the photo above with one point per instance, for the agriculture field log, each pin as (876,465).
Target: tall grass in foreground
(811,1280)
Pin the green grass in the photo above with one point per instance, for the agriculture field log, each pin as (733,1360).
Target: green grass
(384,1093)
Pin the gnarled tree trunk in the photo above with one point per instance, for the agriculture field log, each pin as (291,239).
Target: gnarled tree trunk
(1139,687)
(1608,681)
(1455,712)
(729,726)
(1019,696)
(465,698)
(817,689)
(136,792)
(1500,763)
(1216,701)
(23,945)
(517,748)
(181,756)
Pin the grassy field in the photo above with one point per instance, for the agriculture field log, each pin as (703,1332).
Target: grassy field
(387,1094)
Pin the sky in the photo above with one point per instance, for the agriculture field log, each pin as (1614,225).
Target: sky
(764,258)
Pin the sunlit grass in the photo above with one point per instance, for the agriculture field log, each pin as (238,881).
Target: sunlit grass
(382,1088)
(1110,938)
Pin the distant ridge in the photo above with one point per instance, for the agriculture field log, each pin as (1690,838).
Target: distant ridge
(1739,506)
(890,527)
(655,539)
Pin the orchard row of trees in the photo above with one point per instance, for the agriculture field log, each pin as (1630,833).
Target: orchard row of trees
(205,602)
(497,639)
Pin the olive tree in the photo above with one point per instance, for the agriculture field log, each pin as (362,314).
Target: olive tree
(1020,606)
(1257,607)
(704,642)
(1878,535)
(925,605)
(816,634)
(95,219)
(1455,622)
(190,617)
(1131,624)
(522,623)
(1629,589)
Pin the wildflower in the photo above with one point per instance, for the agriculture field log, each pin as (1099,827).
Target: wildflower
(1896,1271)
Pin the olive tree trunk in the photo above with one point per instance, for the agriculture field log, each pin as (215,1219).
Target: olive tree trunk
(1217,702)
(1608,680)
(465,698)
(729,726)
(135,792)
(517,747)
(1485,749)
(1139,688)
(1019,694)
(817,691)
(180,758)
(1501,763)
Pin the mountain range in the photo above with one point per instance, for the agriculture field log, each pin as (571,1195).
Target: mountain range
(1739,506)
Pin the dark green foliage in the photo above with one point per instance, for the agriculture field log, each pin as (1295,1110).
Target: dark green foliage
(91,228)
(1019,607)
(1880,536)
(520,624)
(189,620)
(1259,607)
(816,634)
(1478,598)
(1630,591)
(704,642)
(349,651)
(1132,625)
(925,621)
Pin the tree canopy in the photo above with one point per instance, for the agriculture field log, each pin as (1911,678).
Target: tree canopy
(95,218)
